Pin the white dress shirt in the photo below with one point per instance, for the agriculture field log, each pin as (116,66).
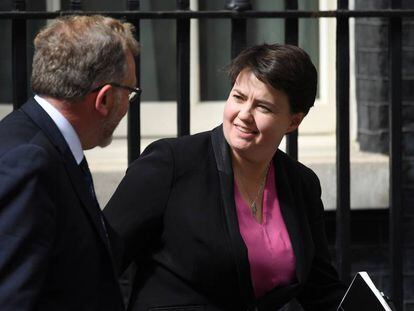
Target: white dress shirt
(67,130)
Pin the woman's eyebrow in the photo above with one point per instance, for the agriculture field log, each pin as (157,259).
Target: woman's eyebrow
(239,92)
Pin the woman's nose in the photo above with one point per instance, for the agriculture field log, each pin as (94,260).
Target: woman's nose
(246,112)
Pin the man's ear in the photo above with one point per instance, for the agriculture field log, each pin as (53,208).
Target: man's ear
(104,100)
(295,121)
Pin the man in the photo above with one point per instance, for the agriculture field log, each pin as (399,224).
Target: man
(54,241)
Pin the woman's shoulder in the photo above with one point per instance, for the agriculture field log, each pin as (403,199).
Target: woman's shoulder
(186,143)
(296,168)
(188,150)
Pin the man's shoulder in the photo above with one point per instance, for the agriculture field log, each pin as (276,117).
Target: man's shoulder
(16,128)
(19,134)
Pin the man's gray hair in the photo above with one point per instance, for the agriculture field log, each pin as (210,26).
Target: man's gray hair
(75,54)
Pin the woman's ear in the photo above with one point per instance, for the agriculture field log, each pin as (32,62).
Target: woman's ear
(104,100)
(295,121)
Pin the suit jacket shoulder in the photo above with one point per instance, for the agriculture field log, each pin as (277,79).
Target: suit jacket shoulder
(51,250)
(190,151)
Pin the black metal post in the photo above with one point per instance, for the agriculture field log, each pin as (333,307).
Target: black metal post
(133,5)
(238,25)
(75,5)
(291,24)
(342,145)
(291,37)
(134,111)
(395,161)
(183,71)
(19,57)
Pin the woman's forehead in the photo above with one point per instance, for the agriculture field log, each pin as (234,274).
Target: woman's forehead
(248,84)
(247,80)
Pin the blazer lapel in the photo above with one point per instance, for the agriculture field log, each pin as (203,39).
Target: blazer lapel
(238,247)
(42,119)
(288,189)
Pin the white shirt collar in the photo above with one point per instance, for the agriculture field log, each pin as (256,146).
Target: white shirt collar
(67,130)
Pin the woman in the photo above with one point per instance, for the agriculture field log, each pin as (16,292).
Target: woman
(224,220)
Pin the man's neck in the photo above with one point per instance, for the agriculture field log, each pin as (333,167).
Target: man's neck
(65,127)
(79,116)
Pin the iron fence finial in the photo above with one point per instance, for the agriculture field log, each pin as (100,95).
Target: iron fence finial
(238,5)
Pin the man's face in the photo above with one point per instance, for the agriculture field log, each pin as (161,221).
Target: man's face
(121,103)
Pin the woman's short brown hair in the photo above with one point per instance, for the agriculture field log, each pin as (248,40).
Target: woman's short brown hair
(284,67)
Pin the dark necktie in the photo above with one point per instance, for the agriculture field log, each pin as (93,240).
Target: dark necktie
(89,181)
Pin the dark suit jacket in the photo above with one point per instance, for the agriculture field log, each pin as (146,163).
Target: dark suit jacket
(175,211)
(53,251)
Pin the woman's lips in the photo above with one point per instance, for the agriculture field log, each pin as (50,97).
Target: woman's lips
(245,131)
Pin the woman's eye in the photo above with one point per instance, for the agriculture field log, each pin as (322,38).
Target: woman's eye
(237,97)
(264,109)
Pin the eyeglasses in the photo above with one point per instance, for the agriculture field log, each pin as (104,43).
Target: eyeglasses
(133,91)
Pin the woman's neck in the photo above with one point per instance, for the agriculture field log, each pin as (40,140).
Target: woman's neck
(250,177)
(248,169)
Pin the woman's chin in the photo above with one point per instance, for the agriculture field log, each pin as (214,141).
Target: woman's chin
(242,148)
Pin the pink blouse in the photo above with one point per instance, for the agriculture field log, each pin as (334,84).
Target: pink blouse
(270,253)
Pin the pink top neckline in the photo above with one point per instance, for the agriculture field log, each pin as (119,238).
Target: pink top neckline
(270,253)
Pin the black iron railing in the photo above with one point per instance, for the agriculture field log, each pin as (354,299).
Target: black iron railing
(238,12)
(395,147)
(343,193)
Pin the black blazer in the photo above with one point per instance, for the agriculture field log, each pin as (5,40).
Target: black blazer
(175,211)
(54,254)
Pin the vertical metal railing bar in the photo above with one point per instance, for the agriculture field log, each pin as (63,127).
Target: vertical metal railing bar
(395,161)
(134,111)
(75,5)
(342,145)
(183,71)
(238,26)
(19,56)
(238,36)
(292,37)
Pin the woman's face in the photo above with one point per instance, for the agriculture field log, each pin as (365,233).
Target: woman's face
(256,117)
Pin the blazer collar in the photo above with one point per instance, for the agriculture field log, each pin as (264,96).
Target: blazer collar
(64,126)
(290,194)
(46,124)
(223,160)
(288,187)
(221,151)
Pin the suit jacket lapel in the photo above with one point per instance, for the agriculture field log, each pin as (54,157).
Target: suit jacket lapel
(289,188)
(238,247)
(42,119)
